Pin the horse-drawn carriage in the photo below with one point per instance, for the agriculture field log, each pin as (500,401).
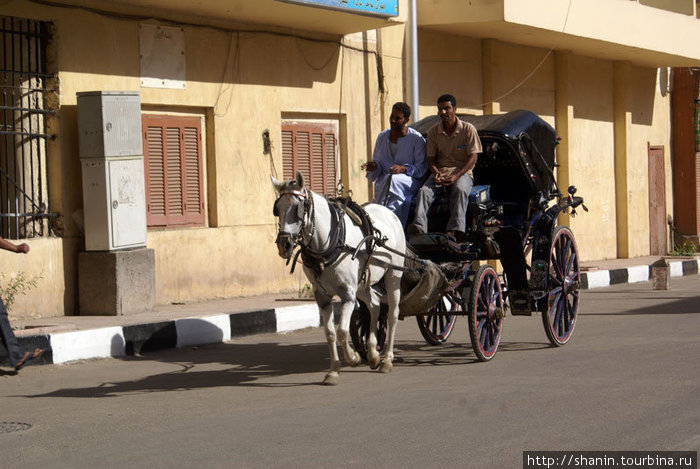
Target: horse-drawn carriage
(510,218)
(363,257)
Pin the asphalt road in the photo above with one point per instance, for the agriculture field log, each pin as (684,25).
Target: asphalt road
(628,380)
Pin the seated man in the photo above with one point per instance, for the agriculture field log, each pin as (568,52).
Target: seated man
(398,163)
(451,149)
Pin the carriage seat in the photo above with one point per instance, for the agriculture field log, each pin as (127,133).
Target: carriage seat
(439,212)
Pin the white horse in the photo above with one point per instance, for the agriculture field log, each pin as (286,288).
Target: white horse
(329,240)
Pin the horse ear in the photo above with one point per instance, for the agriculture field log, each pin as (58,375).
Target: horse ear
(276,183)
(300,180)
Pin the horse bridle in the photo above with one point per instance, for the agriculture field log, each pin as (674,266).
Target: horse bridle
(321,259)
(304,214)
(336,237)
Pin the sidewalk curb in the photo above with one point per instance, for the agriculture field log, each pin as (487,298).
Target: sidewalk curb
(633,274)
(119,341)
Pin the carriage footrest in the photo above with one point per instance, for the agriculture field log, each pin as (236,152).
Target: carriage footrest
(523,312)
(520,304)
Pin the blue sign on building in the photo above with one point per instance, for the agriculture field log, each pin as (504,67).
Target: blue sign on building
(372,7)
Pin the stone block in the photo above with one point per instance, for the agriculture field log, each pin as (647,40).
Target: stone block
(660,275)
(115,283)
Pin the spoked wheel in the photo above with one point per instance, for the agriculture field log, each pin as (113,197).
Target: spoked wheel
(437,326)
(560,312)
(359,329)
(485,312)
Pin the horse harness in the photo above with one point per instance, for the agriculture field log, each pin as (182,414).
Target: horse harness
(339,206)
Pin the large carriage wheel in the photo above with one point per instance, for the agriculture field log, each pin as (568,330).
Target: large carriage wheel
(359,328)
(560,312)
(485,312)
(437,326)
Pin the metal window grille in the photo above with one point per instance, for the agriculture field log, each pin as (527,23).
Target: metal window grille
(25,82)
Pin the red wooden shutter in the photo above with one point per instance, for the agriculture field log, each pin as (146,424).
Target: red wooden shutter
(194,204)
(288,169)
(310,149)
(155,174)
(302,151)
(173,181)
(173,160)
(330,175)
(316,180)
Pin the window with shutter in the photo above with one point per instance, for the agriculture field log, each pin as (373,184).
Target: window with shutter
(173,166)
(311,150)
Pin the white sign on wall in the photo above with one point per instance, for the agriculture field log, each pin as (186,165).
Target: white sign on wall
(162,52)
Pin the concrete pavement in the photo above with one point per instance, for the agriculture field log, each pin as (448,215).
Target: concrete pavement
(70,338)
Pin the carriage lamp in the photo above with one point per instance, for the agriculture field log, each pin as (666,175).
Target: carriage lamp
(538,278)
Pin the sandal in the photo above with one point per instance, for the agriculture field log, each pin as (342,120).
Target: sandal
(28,357)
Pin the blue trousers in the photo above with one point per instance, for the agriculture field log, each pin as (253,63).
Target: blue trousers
(9,340)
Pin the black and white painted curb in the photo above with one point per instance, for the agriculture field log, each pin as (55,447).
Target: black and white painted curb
(639,273)
(119,341)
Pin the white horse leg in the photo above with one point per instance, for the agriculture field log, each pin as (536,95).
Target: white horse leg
(393,285)
(326,307)
(374,307)
(347,307)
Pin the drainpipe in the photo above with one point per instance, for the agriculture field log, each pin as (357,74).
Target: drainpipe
(413,59)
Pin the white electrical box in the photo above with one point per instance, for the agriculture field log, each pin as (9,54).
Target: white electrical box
(114,203)
(109,123)
(111,156)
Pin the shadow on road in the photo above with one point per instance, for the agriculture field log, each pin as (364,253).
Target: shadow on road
(254,365)
(684,306)
(421,354)
(243,365)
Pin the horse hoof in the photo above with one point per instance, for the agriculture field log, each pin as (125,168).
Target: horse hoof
(331,379)
(354,360)
(386,367)
(373,363)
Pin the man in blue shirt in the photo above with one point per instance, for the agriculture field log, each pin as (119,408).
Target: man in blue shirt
(398,164)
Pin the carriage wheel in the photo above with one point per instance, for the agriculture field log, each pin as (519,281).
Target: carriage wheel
(560,312)
(485,312)
(437,326)
(359,329)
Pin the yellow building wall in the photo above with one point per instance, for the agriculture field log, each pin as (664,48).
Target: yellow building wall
(592,156)
(649,117)
(241,84)
(501,77)
(660,134)
(449,64)
(522,78)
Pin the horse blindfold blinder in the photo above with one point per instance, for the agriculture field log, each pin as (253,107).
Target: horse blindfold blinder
(301,208)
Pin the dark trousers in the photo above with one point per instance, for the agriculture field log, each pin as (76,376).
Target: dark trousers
(512,257)
(14,351)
